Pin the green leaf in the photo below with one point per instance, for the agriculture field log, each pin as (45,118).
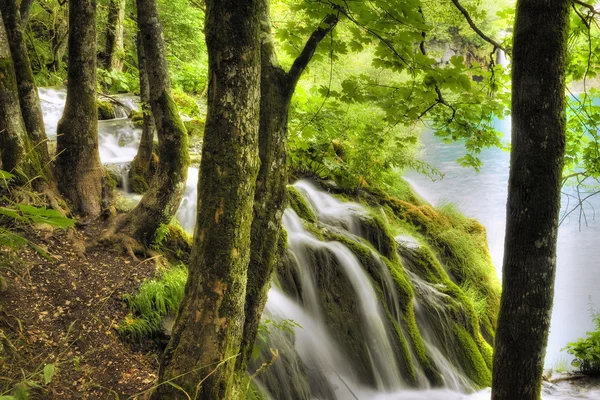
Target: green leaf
(49,372)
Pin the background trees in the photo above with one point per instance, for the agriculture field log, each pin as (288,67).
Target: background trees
(165,191)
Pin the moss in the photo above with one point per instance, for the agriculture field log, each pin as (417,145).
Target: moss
(406,363)
(113,178)
(471,359)
(137,118)
(460,243)
(195,127)
(299,204)
(123,204)
(178,244)
(418,346)
(452,258)
(186,104)
(339,304)
(376,232)
(138,184)
(106,110)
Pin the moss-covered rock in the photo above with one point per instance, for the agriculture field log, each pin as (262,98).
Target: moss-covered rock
(137,118)
(186,104)
(123,204)
(195,127)
(177,244)
(298,203)
(106,110)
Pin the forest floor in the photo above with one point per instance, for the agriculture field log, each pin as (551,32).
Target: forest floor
(61,310)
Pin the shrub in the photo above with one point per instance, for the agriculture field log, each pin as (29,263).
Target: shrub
(587,351)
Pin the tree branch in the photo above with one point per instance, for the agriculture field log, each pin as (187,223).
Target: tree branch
(590,7)
(488,39)
(300,63)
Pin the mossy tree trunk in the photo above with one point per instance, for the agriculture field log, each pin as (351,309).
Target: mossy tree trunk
(28,94)
(79,173)
(141,171)
(16,153)
(164,195)
(207,333)
(277,88)
(24,9)
(114,35)
(60,35)
(538,143)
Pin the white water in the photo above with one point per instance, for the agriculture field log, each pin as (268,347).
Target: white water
(314,344)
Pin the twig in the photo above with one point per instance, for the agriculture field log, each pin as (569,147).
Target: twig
(485,37)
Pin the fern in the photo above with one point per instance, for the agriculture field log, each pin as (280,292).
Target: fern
(156,299)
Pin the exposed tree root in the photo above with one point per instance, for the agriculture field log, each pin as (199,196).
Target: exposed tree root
(113,236)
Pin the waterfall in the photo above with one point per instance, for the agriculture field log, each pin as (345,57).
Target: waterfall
(327,360)
(338,313)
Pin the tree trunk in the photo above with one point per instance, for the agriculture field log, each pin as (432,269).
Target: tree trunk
(28,94)
(205,343)
(162,199)
(79,173)
(114,35)
(16,153)
(60,35)
(538,142)
(277,88)
(141,171)
(24,10)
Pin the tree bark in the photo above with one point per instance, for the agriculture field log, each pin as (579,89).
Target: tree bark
(164,195)
(16,153)
(538,142)
(31,109)
(24,9)
(277,88)
(114,35)
(79,173)
(205,343)
(141,172)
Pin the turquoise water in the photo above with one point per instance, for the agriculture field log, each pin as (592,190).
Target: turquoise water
(483,196)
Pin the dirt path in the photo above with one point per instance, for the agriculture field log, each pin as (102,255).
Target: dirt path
(62,311)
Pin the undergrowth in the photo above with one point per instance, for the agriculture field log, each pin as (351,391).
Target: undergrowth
(587,351)
(156,299)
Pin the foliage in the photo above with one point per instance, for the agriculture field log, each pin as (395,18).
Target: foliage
(182,22)
(14,216)
(119,82)
(156,299)
(587,351)
(160,236)
(582,165)
(186,104)
(373,64)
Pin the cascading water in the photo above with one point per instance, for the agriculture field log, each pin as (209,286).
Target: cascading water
(357,355)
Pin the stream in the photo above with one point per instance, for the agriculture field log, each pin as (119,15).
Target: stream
(330,374)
